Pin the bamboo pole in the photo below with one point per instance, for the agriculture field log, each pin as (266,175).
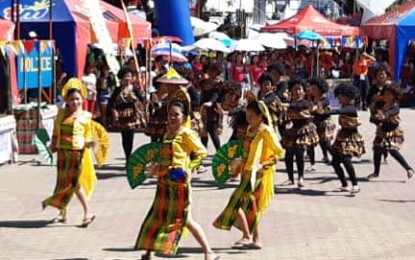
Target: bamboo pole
(39,82)
(52,88)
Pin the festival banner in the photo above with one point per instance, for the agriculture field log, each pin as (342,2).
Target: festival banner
(29,67)
(95,15)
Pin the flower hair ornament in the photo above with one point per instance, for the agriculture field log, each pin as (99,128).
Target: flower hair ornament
(74,83)
(182,96)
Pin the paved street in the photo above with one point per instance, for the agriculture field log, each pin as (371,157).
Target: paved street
(312,223)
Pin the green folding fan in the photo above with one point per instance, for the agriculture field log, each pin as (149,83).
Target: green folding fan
(136,165)
(223,158)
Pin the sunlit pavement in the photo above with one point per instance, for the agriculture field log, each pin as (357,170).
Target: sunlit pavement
(311,223)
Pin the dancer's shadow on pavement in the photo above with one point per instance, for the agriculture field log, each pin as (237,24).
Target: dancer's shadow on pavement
(333,177)
(104,176)
(182,252)
(75,258)
(302,191)
(36,163)
(24,224)
(397,201)
(120,249)
(112,167)
(200,183)
(310,192)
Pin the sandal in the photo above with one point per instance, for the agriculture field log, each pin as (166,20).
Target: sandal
(241,244)
(287,183)
(58,219)
(355,189)
(410,173)
(342,189)
(213,257)
(254,245)
(201,169)
(372,176)
(87,221)
(145,257)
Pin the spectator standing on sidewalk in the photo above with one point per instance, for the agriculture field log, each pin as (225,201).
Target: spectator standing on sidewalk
(361,80)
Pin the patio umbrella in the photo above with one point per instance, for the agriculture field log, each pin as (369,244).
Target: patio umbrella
(222,37)
(272,40)
(309,35)
(164,39)
(201,27)
(248,45)
(167,49)
(219,35)
(211,44)
(314,37)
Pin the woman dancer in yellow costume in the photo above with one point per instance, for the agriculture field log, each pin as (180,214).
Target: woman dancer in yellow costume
(170,212)
(256,189)
(72,139)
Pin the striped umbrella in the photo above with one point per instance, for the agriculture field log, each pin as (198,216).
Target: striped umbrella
(169,50)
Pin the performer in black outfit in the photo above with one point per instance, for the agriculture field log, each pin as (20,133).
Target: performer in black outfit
(210,105)
(324,123)
(389,136)
(349,142)
(277,71)
(374,100)
(302,134)
(267,94)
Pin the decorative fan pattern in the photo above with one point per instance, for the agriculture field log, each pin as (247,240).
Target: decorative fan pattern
(40,140)
(223,158)
(102,144)
(136,166)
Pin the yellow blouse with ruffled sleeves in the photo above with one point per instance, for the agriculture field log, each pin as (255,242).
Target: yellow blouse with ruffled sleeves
(271,150)
(270,153)
(72,132)
(187,142)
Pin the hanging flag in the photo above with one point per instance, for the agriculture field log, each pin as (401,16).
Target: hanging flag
(102,34)
(148,44)
(130,30)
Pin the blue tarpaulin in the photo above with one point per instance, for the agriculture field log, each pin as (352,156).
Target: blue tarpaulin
(34,16)
(397,26)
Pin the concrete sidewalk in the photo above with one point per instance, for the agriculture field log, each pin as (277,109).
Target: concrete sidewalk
(312,223)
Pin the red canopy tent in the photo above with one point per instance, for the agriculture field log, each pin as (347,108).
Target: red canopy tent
(310,19)
(116,24)
(6,30)
(396,26)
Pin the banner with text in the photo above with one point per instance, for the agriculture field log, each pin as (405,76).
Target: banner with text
(30,72)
